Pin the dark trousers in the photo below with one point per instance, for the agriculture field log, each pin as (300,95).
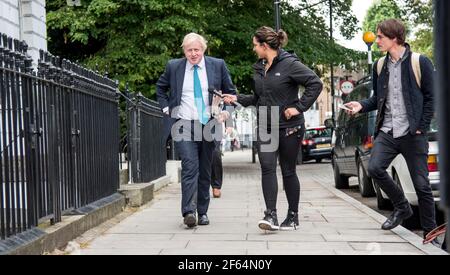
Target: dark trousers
(287,154)
(196,159)
(414,149)
(217,169)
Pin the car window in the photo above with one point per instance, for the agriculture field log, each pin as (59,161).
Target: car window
(361,92)
(341,118)
(366,92)
(318,133)
(434,125)
(352,95)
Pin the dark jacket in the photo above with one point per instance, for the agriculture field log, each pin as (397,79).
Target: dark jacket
(169,87)
(418,101)
(280,87)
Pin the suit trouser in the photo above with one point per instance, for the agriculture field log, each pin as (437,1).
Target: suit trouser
(217,169)
(195,173)
(414,149)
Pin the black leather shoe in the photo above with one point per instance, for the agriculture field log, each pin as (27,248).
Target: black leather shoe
(190,220)
(397,217)
(203,220)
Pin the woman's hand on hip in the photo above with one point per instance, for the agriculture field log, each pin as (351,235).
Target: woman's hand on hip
(290,113)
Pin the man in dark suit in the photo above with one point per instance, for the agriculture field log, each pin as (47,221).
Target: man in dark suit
(183,95)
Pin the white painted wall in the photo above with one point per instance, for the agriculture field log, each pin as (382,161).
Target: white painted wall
(312,117)
(25,20)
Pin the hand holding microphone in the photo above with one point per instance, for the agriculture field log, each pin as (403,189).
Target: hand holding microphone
(227,99)
(230,99)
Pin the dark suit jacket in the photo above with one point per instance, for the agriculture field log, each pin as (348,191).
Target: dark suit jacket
(169,87)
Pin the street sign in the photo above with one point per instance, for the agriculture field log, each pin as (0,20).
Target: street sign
(347,87)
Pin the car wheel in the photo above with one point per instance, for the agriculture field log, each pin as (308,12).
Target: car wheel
(382,203)
(340,181)
(318,160)
(365,183)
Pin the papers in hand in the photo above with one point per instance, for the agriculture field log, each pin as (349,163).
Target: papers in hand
(345,108)
(217,104)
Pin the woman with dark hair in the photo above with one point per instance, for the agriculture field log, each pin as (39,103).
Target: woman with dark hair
(277,78)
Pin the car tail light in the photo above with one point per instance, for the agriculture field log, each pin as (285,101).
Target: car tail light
(308,142)
(433,163)
(368,142)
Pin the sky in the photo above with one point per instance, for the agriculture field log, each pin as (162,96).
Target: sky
(359,9)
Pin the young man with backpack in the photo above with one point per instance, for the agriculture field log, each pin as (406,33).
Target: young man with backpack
(403,96)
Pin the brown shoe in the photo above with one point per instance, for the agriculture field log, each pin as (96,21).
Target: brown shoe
(217,193)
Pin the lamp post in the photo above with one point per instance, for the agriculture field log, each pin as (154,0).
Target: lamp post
(278,26)
(369,38)
(276,4)
(333,94)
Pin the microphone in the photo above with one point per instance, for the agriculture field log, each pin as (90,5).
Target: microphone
(215,92)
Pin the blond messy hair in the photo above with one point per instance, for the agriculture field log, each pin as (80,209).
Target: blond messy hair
(194,37)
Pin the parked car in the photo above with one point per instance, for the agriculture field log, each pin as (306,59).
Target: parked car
(352,142)
(316,144)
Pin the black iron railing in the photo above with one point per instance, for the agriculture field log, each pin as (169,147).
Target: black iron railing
(146,148)
(59,138)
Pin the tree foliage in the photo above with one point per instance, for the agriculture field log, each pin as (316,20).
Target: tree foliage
(380,11)
(420,13)
(133,39)
(416,14)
